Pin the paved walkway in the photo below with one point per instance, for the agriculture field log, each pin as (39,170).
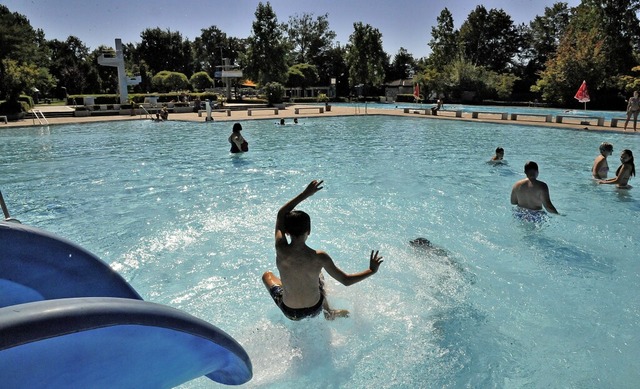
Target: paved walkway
(289,113)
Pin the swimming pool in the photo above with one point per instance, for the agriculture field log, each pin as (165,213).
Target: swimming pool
(511,305)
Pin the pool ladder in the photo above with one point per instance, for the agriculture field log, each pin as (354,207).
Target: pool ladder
(37,114)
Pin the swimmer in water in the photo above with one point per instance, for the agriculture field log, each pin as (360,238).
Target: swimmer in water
(498,158)
(530,193)
(600,167)
(299,291)
(624,171)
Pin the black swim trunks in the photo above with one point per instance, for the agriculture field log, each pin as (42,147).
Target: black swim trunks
(296,313)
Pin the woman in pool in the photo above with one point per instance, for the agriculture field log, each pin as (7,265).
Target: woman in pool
(238,143)
(624,172)
(600,167)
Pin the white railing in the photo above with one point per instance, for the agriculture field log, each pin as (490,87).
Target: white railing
(37,114)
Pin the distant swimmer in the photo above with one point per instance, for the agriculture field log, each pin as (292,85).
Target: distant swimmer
(299,291)
(624,171)
(600,167)
(238,143)
(498,158)
(425,244)
(530,195)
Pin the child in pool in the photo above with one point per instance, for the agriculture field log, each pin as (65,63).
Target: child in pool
(299,292)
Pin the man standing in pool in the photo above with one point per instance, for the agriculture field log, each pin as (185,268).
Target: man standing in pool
(299,292)
(531,194)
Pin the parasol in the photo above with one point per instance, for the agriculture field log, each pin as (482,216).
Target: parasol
(582,95)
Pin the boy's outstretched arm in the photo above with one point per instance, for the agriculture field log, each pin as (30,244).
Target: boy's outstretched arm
(349,279)
(313,187)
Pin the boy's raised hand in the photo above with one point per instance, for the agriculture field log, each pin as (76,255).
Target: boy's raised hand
(313,187)
(375,261)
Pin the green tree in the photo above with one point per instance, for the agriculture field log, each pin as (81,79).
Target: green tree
(403,66)
(310,39)
(592,39)
(302,75)
(620,29)
(70,65)
(167,81)
(365,57)
(267,49)
(162,50)
(18,78)
(209,48)
(545,34)
(200,81)
(20,50)
(274,92)
(444,41)
(580,56)
(489,39)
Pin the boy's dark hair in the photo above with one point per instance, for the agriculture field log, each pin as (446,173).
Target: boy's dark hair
(297,223)
(530,166)
(499,150)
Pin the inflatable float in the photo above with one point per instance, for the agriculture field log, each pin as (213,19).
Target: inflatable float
(68,320)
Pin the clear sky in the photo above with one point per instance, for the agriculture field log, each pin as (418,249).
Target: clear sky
(403,23)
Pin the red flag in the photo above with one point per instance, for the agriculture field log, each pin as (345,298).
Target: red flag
(416,91)
(582,95)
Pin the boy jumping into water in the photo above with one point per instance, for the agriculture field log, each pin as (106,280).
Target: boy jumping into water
(299,292)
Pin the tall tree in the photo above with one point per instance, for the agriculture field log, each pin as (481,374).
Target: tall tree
(444,41)
(310,38)
(209,49)
(620,29)
(165,50)
(267,49)
(70,65)
(365,57)
(546,32)
(403,66)
(489,32)
(581,55)
(18,49)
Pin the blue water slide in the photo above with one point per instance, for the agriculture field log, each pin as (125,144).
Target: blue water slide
(105,342)
(37,265)
(68,320)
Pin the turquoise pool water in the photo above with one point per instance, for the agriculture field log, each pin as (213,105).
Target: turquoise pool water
(511,305)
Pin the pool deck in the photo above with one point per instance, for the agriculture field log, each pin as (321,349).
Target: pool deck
(288,114)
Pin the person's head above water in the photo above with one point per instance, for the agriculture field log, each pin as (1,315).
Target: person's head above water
(531,169)
(237,127)
(297,223)
(606,147)
(420,242)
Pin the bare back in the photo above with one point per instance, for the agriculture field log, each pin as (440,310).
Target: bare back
(299,267)
(532,194)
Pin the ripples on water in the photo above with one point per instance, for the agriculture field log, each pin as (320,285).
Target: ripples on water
(509,305)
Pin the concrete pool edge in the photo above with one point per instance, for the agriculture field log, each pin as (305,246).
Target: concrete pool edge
(289,113)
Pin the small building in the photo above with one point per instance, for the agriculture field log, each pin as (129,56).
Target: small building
(398,87)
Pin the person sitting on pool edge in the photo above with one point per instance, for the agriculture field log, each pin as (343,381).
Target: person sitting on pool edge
(624,171)
(531,194)
(299,292)
(600,167)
